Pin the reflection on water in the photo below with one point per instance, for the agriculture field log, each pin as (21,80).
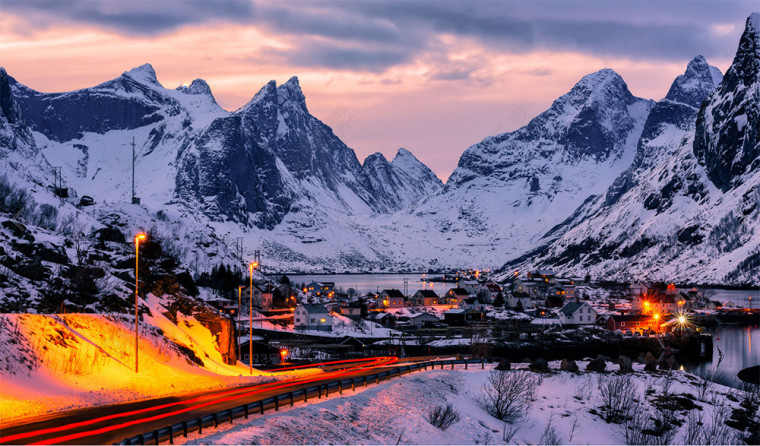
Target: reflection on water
(737,348)
(372,283)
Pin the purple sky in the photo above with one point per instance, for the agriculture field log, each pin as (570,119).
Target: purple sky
(434,77)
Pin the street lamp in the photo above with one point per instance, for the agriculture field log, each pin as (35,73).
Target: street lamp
(138,238)
(240,292)
(750,303)
(251,266)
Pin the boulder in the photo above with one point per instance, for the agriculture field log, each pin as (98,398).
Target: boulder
(596,365)
(750,375)
(503,365)
(568,365)
(625,364)
(642,359)
(539,366)
(51,253)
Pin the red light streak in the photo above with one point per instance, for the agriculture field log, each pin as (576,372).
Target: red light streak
(372,362)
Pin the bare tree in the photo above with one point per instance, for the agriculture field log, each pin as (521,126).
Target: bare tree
(443,417)
(507,395)
(550,436)
(617,392)
(508,433)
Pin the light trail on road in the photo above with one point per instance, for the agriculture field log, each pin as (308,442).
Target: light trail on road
(202,401)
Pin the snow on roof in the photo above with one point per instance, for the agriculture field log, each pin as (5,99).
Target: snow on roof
(314,308)
(393,293)
(571,307)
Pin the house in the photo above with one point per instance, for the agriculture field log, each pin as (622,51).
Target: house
(312,317)
(471,286)
(666,303)
(460,316)
(489,289)
(534,289)
(385,319)
(568,286)
(320,289)
(455,296)
(263,354)
(392,298)
(577,313)
(226,306)
(543,274)
(633,322)
(714,305)
(519,299)
(472,303)
(422,320)
(262,298)
(425,298)
(638,289)
(285,296)
(353,310)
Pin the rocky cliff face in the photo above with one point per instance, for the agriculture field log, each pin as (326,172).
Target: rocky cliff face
(727,140)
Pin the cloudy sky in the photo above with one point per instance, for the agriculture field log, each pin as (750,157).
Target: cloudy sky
(434,77)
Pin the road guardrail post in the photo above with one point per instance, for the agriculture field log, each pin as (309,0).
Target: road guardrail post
(246,411)
(261,406)
(292,400)
(216,420)
(482,363)
(184,429)
(155,435)
(277,403)
(171,435)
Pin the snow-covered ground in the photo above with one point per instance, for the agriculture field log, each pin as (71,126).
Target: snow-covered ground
(566,408)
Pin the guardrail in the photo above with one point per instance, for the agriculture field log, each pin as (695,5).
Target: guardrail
(168,433)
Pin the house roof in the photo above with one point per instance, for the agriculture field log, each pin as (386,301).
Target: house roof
(629,317)
(571,307)
(546,272)
(315,308)
(427,293)
(493,287)
(394,293)
(459,292)
(421,315)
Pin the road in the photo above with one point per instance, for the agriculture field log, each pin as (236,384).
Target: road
(113,423)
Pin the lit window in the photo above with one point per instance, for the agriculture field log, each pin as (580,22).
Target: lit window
(323,320)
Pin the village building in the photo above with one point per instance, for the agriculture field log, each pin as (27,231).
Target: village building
(261,296)
(577,313)
(312,317)
(380,317)
(423,320)
(263,354)
(633,322)
(224,305)
(518,300)
(638,289)
(471,286)
(461,317)
(489,289)
(455,296)
(543,274)
(320,289)
(353,310)
(472,303)
(392,298)
(425,298)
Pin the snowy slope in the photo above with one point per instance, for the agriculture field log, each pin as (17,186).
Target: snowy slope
(510,189)
(690,212)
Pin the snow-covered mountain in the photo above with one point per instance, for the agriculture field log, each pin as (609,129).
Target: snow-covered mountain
(510,189)
(687,208)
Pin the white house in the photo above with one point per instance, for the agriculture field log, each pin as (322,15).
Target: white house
(312,317)
(577,313)
(472,286)
(512,301)
(491,289)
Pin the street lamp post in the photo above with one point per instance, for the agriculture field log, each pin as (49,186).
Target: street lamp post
(251,266)
(240,292)
(138,238)
(750,303)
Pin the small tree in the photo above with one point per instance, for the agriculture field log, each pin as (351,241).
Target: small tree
(285,280)
(499,301)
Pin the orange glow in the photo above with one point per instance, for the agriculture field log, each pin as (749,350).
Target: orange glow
(140,237)
(656,316)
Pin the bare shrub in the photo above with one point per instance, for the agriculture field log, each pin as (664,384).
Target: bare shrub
(443,417)
(509,433)
(582,388)
(550,436)
(507,395)
(617,392)
(712,431)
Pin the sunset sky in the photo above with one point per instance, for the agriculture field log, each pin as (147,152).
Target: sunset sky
(434,77)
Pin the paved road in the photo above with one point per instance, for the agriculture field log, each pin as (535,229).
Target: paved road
(113,423)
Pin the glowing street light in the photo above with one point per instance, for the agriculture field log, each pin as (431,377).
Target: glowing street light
(251,266)
(138,238)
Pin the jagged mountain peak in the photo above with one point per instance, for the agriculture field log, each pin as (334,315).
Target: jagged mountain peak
(698,81)
(290,93)
(198,86)
(727,139)
(597,85)
(403,153)
(144,74)
(375,158)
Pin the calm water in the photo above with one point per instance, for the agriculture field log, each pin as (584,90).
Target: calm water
(739,297)
(740,347)
(365,283)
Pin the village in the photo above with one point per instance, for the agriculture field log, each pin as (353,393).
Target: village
(278,320)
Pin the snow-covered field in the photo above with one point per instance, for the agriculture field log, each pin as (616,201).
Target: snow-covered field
(566,409)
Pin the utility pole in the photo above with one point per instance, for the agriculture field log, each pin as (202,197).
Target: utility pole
(406,286)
